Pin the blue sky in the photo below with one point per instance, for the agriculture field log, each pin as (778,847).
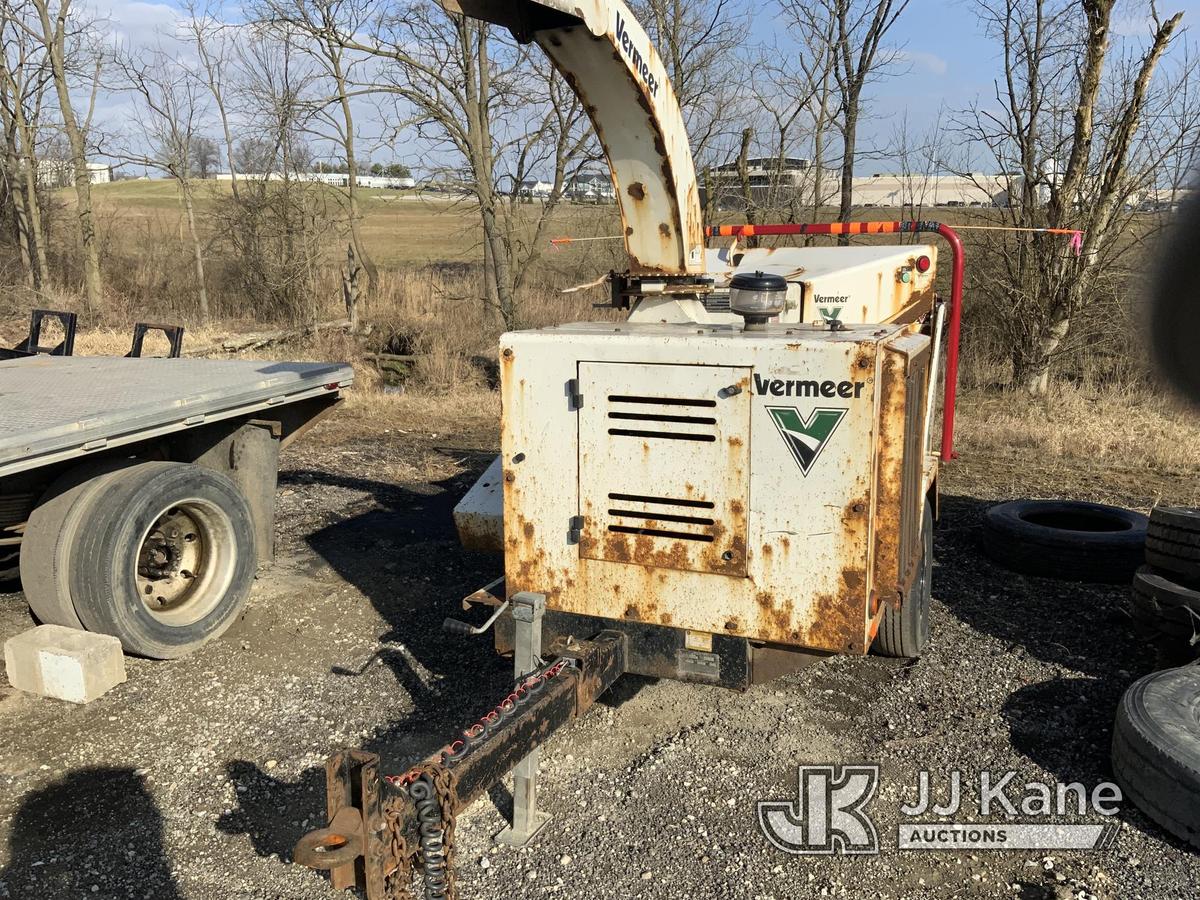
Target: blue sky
(948,60)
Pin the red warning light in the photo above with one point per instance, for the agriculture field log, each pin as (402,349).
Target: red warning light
(923,264)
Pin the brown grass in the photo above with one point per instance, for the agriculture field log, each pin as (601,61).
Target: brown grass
(428,304)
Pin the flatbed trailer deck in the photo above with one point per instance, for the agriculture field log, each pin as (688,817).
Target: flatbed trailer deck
(139,493)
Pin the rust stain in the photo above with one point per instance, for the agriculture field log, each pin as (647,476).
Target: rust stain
(837,624)
(864,356)
(637,191)
(890,476)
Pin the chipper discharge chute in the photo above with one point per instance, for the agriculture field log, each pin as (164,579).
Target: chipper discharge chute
(734,481)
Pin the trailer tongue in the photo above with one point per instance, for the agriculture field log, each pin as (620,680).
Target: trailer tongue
(378,826)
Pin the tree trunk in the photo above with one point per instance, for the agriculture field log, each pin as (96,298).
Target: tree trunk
(16,189)
(505,298)
(849,139)
(360,249)
(350,287)
(1032,361)
(33,207)
(55,41)
(189,209)
(743,170)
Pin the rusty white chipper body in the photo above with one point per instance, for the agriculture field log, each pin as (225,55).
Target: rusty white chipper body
(735,479)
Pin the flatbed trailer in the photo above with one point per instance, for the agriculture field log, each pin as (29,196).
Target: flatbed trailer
(137,496)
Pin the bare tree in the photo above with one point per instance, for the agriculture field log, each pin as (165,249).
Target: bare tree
(214,43)
(1066,122)
(206,156)
(169,111)
(276,226)
(703,48)
(472,96)
(24,76)
(921,157)
(75,61)
(855,31)
(318,26)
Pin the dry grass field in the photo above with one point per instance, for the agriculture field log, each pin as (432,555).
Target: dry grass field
(428,305)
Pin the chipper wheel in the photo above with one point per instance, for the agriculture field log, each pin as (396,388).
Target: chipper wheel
(161,556)
(904,632)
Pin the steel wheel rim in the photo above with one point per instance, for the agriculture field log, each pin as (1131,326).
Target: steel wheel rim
(185,562)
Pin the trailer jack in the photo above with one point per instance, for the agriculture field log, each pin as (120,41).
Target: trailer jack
(380,826)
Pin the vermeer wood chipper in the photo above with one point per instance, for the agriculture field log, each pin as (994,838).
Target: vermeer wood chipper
(735,479)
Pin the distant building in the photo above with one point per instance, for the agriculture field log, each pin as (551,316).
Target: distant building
(333,179)
(591,186)
(534,188)
(59,173)
(781,181)
(932,190)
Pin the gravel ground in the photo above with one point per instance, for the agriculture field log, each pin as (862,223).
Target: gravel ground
(195,778)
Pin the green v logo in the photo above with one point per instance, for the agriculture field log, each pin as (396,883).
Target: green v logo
(806,438)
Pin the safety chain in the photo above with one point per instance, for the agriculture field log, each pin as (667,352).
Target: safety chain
(433,792)
(432,788)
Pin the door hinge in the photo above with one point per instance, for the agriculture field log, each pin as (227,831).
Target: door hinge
(575,530)
(574,397)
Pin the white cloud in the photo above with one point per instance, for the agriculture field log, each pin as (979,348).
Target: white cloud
(135,23)
(919,59)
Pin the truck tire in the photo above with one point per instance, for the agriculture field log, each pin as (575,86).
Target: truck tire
(1066,539)
(1164,608)
(904,632)
(1156,749)
(164,559)
(1173,542)
(49,535)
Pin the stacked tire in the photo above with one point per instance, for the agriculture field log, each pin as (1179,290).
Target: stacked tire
(1156,736)
(1165,602)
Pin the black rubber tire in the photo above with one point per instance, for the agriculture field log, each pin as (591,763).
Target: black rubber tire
(1066,539)
(904,632)
(1164,607)
(1173,542)
(50,534)
(10,568)
(104,577)
(1156,749)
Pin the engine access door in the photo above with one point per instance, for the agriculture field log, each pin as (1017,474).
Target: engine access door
(664,465)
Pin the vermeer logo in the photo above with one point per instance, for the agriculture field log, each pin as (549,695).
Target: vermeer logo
(830,306)
(636,60)
(806,438)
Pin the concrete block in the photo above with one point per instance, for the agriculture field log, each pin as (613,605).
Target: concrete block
(65,663)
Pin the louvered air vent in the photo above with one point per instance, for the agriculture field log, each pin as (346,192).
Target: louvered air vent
(685,520)
(669,418)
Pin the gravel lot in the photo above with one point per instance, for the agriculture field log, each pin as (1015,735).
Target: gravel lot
(195,778)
